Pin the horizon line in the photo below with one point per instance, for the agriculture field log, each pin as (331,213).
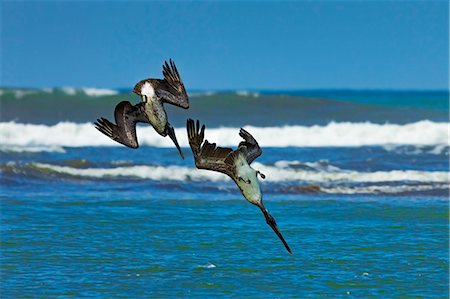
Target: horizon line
(263,90)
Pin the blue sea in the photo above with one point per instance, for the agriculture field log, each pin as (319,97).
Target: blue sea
(358,182)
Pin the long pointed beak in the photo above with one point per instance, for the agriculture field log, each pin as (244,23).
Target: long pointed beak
(273,224)
(171,133)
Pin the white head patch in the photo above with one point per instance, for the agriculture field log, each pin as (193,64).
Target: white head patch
(147,90)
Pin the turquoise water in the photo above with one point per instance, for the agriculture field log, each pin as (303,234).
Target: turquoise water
(259,108)
(68,232)
(67,246)
(84,218)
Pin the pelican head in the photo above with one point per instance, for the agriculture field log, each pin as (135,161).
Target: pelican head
(144,89)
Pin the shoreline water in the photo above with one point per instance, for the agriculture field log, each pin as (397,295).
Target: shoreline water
(359,188)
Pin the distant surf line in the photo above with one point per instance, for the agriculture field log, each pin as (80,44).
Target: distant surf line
(339,134)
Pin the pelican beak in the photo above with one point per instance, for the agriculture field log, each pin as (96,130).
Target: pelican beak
(273,224)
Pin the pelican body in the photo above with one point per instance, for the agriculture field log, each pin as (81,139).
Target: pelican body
(153,109)
(154,93)
(247,180)
(235,164)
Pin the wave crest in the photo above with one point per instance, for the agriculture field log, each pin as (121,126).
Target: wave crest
(273,174)
(289,177)
(334,134)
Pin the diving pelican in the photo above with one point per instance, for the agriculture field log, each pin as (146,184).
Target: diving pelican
(154,93)
(235,164)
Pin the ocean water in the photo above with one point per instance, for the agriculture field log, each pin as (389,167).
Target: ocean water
(357,180)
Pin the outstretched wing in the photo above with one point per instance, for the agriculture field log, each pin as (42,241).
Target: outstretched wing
(171,90)
(249,147)
(208,156)
(124,131)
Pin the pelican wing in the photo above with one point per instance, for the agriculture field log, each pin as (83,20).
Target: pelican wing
(249,147)
(124,131)
(171,90)
(209,156)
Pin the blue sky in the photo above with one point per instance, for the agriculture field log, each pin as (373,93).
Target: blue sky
(227,45)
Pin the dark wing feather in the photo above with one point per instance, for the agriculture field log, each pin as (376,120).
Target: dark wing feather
(124,131)
(171,90)
(208,156)
(250,148)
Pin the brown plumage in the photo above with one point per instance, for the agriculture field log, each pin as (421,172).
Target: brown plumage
(169,90)
(234,163)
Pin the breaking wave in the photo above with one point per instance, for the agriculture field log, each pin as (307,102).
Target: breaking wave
(383,189)
(288,177)
(273,174)
(437,149)
(89,91)
(70,91)
(99,92)
(31,149)
(422,133)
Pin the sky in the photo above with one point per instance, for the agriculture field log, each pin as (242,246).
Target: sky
(227,45)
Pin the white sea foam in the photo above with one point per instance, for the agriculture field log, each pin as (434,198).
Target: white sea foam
(207,266)
(99,92)
(200,94)
(31,149)
(382,189)
(334,134)
(175,173)
(20,93)
(320,165)
(246,93)
(121,162)
(273,174)
(90,91)
(61,134)
(437,149)
(69,90)
(278,174)
(47,90)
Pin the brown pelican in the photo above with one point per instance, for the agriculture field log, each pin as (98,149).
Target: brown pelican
(235,164)
(154,93)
